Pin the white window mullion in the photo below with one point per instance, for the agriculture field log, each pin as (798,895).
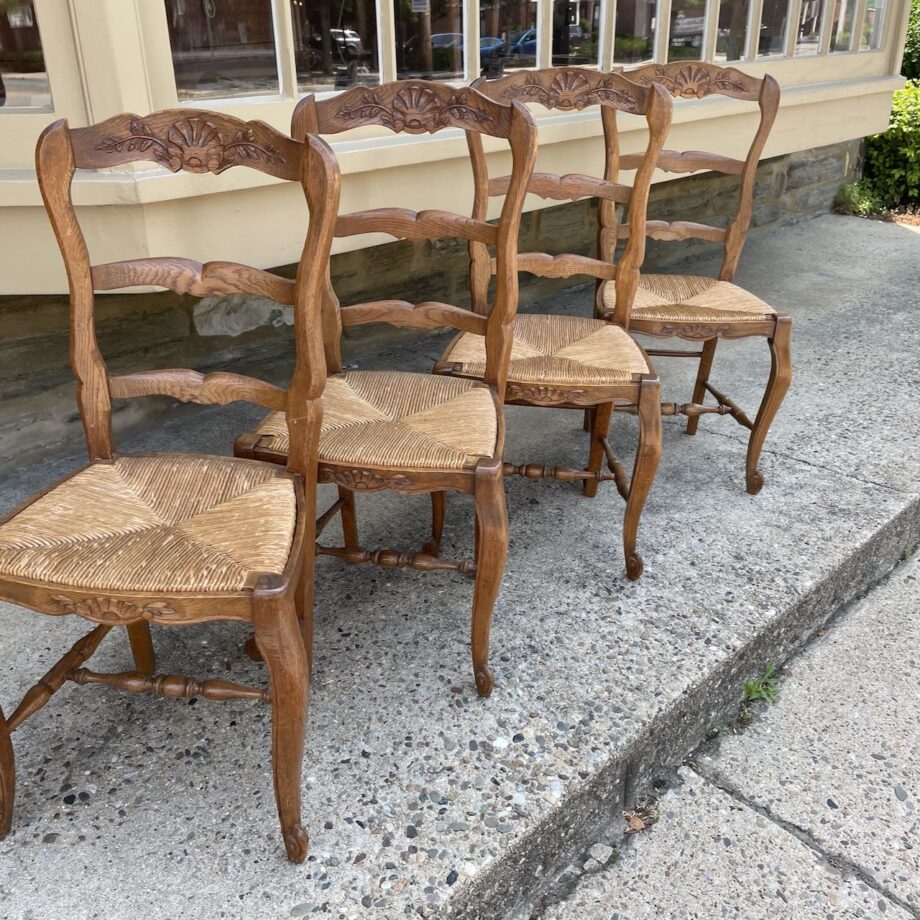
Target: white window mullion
(827,26)
(284,48)
(386,40)
(859,21)
(711,30)
(545,33)
(607,27)
(752,43)
(792,33)
(662,31)
(471,39)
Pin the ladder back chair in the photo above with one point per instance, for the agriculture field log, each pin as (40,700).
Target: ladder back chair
(412,432)
(167,538)
(568,361)
(704,309)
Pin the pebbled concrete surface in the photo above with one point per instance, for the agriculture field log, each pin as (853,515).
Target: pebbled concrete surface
(709,857)
(422,800)
(811,812)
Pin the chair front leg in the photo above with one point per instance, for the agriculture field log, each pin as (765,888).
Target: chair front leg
(142,647)
(647,457)
(491,552)
(600,428)
(7,778)
(780,378)
(349,517)
(281,644)
(702,378)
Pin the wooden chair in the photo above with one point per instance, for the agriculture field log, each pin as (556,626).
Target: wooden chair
(708,309)
(567,361)
(412,432)
(173,539)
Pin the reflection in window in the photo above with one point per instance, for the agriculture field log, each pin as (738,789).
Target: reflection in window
(23,80)
(842,25)
(429,39)
(575,31)
(772,39)
(335,43)
(732,30)
(873,26)
(686,39)
(634,38)
(809,31)
(507,35)
(222,47)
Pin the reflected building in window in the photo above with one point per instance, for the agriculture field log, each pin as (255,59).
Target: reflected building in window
(634,31)
(23,79)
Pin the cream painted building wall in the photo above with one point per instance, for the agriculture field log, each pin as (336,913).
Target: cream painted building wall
(108,56)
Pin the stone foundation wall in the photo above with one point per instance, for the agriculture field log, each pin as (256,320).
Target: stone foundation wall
(38,414)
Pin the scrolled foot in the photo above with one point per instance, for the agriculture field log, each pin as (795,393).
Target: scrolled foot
(484,680)
(754,482)
(634,566)
(296,842)
(251,649)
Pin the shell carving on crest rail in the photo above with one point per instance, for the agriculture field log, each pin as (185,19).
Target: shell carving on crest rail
(194,144)
(571,90)
(693,80)
(112,610)
(416,109)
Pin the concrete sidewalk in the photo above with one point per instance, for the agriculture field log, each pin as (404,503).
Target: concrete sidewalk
(810,813)
(421,799)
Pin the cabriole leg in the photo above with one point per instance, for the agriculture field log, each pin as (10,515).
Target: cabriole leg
(702,378)
(7,778)
(600,427)
(780,378)
(647,457)
(491,552)
(279,640)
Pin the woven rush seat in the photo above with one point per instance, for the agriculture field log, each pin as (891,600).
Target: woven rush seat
(157,523)
(556,349)
(691,299)
(399,419)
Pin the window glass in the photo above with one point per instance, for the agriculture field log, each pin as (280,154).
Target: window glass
(772,39)
(634,31)
(842,25)
(732,30)
(222,47)
(335,43)
(23,80)
(429,39)
(575,31)
(507,35)
(809,30)
(873,26)
(686,39)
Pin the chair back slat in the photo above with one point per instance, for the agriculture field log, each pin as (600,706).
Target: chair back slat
(191,140)
(698,81)
(402,314)
(405,107)
(214,142)
(544,265)
(415,225)
(678,230)
(418,107)
(689,161)
(569,187)
(217,388)
(185,276)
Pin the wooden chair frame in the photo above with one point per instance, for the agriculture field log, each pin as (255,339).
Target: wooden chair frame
(278,606)
(569,88)
(416,107)
(699,81)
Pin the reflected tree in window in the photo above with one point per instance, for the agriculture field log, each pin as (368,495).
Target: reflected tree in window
(732,30)
(634,38)
(335,43)
(222,48)
(23,79)
(576,31)
(773,18)
(429,39)
(507,36)
(687,25)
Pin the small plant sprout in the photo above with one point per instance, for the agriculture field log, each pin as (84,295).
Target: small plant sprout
(765,687)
